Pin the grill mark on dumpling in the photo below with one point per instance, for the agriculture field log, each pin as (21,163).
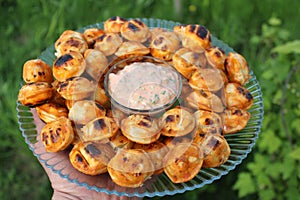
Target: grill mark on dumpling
(158,41)
(170,118)
(62,60)
(79,158)
(99,124)
(73,42)
(92,150)
(208,121)
(245,93)
(202,32)
(133,27)
(237,112)
(100,107)
(213,143)
(145,124)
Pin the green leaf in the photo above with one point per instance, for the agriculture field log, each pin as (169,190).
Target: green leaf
(267,194)
(288,165)
(295,153)
(245,184)
(270,142)
(287,48)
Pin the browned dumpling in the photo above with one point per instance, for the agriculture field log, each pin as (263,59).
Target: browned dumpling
(187,61)
(96,63)
(101,97)
(35,93)
(98,129)
(237,68)
(135,30)
(194,36)
(84,111)
(66,35)
(114,24)
(237,97)
(119,141)
(156,151)
(177,122)
(216,57)
(164,45)
(235,120)
(156,31)
(216,150)
(183,162)
(57,135)
(37,70)
(208,122)
(76,88)
(130,168)
(108,43)
(206,79)
(205,100)
(172,142)
(91,34)
(141,129)
(91,157)
(131,48)
(68,65)
(49,112)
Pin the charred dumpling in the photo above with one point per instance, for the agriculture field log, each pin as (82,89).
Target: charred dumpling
(238,97)
(237,68)
(96,63)
(37,70)
(235,120)
(216,57)
(114,24)
(108,43)
(131,48)
(91,34)
(135,30)
(51,111)
(208,122)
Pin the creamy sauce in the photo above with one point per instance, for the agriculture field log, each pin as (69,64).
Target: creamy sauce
(143,85)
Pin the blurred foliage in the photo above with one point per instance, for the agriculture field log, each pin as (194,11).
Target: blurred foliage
(265,32)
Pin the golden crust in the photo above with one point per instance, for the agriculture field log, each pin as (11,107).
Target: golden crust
(84,111)
(206,79)
(98,129)
(216,57)
(49,112)
(205,100)
(237,68)
(183,162)
(130,168)
(177,122)
(237,97)
(108,43)
(194,36)
(131,48)
(96,63)
(164,45)
(91,158)
(37,70)
(140,129)
(114,24)
(35,93)
(135,30)
(186,61)
(68,65)
(119,141)
(91,34)
(76,88)
(57,135)
(208,122)
(216,150)
(235,120)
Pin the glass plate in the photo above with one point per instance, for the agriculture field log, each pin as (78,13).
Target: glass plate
(240,143)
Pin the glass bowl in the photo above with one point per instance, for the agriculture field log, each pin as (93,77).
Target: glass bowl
(241,143)
(126,79)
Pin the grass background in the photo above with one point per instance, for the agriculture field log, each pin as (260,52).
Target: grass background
(28,27)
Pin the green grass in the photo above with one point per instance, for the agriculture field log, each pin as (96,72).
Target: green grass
(28,27)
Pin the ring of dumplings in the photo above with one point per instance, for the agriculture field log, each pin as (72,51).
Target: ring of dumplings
(70,98)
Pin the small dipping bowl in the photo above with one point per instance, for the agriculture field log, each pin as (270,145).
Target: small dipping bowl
(142,85)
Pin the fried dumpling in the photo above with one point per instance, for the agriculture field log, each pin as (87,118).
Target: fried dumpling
(130,168)
(57,135)
(194,36)
(183,162)
(76,88)
(206,79)
(114,24)
(96,63)
(84,111)
(68,65)
(237,97)
(108,43)
(37,70)
(237,68)
(177,122)
(131,48)
(164,45)
(208,122)
(98,129)
(51,111)
(216,57)
(141,129)
(91,34)
(119,141)
(235,120)
(35,93)
(135,30)
(91,158)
